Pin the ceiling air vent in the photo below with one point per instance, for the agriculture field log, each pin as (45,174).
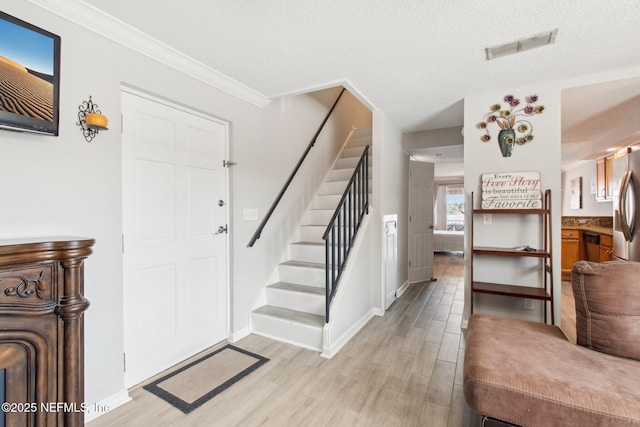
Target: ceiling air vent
(521,45)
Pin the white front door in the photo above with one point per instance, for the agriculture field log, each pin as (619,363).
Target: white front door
(420,221)
(175,260)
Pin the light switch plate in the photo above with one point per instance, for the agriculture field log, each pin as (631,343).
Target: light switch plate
(249,214)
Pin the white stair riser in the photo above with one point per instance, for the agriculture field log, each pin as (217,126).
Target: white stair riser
(333,187)
(310,303)
(347,163)
(312,233)
(285,330)
(302,275)
(319,216)
(354,152)
(359,142)
(326,201)
(340,175)
(330,201)
(308,253)
(343,174)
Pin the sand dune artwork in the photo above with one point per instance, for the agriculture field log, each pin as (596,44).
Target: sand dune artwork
(25,92)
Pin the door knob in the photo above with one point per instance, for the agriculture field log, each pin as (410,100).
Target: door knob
(222,229)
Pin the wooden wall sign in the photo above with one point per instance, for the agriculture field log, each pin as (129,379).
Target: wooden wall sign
(511,190)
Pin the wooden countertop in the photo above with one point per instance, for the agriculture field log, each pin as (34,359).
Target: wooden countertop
(600,230)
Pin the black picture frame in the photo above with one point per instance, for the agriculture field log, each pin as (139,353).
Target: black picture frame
(30,87)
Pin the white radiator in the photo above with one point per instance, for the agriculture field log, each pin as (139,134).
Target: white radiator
(448,241)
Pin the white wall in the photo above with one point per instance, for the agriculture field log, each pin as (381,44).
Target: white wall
(65,186)
(432,138)
(590,207)
(356,299)
(391,193)
(542,155)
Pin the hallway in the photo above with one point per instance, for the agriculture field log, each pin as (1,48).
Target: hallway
(402,369)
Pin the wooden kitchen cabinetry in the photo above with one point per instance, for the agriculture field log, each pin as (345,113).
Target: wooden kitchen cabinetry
(573,249)
(41,331)
(606,248)
(570,250)
(604,179)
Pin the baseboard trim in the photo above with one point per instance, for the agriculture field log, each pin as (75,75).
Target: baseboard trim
(464,324)
(401,290)
(237,336)
(333,349)
(103,406)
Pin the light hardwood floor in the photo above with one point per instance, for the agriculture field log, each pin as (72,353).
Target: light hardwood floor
(568,323)
(401,369)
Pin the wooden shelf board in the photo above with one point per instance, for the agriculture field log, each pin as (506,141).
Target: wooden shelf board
(510,290)
(487,250)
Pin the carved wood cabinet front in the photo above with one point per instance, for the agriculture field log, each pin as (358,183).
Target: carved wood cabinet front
(41,331)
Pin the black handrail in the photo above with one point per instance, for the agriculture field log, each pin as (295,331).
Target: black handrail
(344,225)
(258,232)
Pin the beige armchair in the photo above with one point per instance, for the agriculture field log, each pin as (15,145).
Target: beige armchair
(529,374)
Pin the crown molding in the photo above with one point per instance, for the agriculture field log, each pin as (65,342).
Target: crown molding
(85,15)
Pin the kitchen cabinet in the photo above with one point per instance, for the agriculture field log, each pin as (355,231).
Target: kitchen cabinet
(608,177)
(604,179)
(574,249)
(606,248)
(570,251)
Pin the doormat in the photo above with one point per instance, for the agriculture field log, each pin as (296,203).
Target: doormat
(196,383)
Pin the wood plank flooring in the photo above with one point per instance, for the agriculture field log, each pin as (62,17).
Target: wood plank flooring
(568,323)
(401,369)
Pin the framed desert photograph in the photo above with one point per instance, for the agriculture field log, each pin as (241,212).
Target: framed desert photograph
(29,77)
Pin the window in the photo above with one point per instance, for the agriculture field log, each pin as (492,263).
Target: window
(454,203)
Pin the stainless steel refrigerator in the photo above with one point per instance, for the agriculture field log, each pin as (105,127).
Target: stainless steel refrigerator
(626,199)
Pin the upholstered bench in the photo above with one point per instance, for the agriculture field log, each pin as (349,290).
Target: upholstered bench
(529,374)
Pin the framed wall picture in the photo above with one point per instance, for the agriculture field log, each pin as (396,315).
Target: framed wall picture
(576,193)
(30,70)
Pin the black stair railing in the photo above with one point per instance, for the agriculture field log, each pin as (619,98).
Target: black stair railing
(266,218)
(340,234)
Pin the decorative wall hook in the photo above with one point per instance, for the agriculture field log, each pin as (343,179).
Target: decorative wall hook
(91,120)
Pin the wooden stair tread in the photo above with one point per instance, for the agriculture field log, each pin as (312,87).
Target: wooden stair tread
(296,287)
(289,315)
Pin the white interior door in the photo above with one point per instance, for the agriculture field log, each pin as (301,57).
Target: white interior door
(175,261)
(420,221)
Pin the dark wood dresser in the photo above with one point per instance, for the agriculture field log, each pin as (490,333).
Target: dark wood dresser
(42,331)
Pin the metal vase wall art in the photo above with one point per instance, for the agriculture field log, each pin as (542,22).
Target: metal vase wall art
(512,119)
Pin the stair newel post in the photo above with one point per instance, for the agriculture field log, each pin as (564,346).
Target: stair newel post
(326,278)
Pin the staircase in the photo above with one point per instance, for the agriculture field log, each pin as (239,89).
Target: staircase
(295,305)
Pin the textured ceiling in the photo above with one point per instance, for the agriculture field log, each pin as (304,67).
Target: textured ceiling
(415,60)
